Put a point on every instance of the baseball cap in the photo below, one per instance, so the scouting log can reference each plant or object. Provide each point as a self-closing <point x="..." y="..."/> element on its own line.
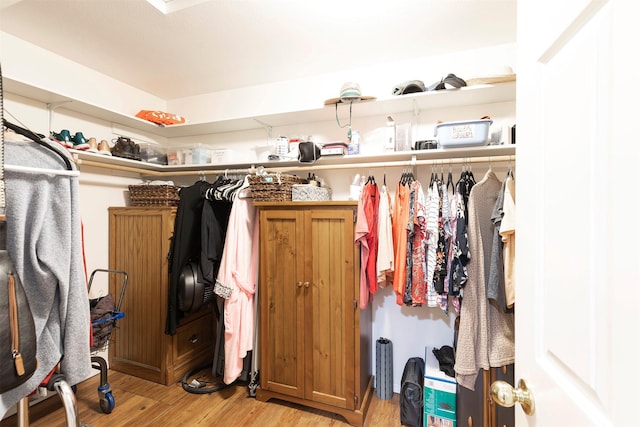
<point x="410" y="86"/>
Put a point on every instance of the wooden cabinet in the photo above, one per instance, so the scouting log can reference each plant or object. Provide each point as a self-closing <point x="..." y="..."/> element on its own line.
<point x="474" y="408"/>
<point x="314" y="340"/>
<point x="139" y="240"/>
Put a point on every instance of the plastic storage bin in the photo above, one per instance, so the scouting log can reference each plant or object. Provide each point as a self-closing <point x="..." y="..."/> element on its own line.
<point x="470" y="133"/>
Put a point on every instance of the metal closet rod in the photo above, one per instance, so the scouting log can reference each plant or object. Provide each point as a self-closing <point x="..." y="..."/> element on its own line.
<point x="315" y="167"/>
<point x="309" y="167"/>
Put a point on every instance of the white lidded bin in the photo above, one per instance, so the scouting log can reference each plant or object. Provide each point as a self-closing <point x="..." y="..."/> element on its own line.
<point x="468" y="133"/>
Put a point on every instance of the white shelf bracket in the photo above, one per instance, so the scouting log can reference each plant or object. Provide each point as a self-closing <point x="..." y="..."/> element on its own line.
<point x="51" y="107"/>
<point x="266" y="127"/>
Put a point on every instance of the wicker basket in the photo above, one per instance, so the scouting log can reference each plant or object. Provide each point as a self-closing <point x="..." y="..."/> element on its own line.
<point x="273" y="187"/>
<point x="154" y="195"/>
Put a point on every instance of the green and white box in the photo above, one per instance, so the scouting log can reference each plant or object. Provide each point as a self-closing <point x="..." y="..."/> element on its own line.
<point x="439" y="395"/>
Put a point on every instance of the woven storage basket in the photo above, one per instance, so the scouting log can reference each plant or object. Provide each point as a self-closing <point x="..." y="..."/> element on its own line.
<point x="273" y="187"/>
<point x="154" y="195"/>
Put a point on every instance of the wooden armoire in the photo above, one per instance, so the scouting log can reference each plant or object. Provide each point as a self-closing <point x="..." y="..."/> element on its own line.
<point x="315" y="341"/>
<point x="139" y="241"/>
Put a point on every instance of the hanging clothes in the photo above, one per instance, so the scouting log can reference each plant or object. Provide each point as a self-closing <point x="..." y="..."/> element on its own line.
<point x="418" y="239"/>
<point x="45" y="244"/>
<point x="442" y="252"/>
<point x="239" y="272"/>
<point x="216" y="209"/>
<point x="400" y="218"/>
<point x="185" y="245"/>
<point x="460" y="252"/>
<point x="384" y="263"/>
<point x="451" y="244"/>
<point x="433" y="207"/>
<point x="360" y="238"/>
<point x="495" y="281"/>
<point x="486" y="334"/>
<point x="367" y="229"/>
<point x="508" y="234"/>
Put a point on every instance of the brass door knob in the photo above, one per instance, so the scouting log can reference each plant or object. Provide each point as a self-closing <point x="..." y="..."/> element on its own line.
<point x="505" y="395"/>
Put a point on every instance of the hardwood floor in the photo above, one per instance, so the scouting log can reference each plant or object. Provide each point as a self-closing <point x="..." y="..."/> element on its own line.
<point x="144" y="403"/>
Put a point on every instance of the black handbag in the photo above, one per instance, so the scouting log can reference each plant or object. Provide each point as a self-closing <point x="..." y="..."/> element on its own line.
<point x="17" y="329"/>
<point x="309" y="152"/>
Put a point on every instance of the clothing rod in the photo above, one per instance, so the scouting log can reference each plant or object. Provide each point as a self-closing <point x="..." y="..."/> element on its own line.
<point x="122" y="168"/>
<point x="403" y="163"/>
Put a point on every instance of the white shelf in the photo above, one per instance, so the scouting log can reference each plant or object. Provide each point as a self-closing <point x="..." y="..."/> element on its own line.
<point x="466" y="96"/>
<point x="338" y="162"/>
<point x="470" y="95"/>
<point x="48" y="97"/>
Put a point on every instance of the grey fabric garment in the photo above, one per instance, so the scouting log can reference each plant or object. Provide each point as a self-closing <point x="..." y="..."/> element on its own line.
<point x="45" y="241"/>
<point x="486" y="336"/>
<point x="495" y="280"/>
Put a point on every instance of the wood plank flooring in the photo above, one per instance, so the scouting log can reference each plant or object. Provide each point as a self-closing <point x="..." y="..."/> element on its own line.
<point x="144" y="403"/>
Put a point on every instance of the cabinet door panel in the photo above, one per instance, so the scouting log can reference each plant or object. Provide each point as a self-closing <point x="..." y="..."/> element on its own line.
<point x="137" y="339"/>
<point x="330" y="305"/>
<point x="282" y="313"/>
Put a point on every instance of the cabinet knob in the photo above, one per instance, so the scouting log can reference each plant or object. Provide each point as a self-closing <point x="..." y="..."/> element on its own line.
<point x="299" y="284"/>
<point x="306" y="284"/>
<point x="505" y="395"/>
<point x="193" y="339"/>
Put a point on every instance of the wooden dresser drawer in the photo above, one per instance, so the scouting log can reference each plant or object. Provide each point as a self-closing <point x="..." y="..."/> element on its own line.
<point x="193" y="337"/>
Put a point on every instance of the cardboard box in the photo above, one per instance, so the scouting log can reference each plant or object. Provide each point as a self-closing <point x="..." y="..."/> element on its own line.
<point x="439" y="394"/>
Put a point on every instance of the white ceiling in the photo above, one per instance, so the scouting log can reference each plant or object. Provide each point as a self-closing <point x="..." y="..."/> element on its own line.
<point x="217" y="45"/>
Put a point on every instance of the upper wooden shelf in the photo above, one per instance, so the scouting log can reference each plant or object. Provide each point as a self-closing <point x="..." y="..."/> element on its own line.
<point x="470" y="95"/>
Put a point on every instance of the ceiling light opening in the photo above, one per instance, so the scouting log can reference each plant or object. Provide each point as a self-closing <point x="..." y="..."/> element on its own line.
<point x="170" y="6"/>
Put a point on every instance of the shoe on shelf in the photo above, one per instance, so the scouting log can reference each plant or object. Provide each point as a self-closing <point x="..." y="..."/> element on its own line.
<point x="124" y="147"/>
<point x="93" y="145"/>
<point x="103" y="147"/>
<point x="64" y="138"/>
<point x="80" y="142"/>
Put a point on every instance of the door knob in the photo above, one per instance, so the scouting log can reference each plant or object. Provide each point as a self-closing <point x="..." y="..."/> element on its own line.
<point x="505" y="395"/>
<point x="306" y="284"/>
<point x="299" y="284"/>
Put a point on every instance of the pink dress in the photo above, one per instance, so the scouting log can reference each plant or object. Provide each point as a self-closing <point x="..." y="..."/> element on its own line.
<point x="239" y="271"/>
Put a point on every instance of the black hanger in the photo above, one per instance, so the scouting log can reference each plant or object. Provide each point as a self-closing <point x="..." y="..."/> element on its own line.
<point x="35" y="138"/>
<point x="450" y="181"/>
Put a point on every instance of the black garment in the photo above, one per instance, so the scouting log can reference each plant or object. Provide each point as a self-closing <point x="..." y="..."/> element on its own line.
<point x="215" y="218"/>
<point x="185" y="245"/>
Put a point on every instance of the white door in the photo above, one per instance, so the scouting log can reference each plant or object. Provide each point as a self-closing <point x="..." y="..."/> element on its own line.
<point x="578" y="239"/>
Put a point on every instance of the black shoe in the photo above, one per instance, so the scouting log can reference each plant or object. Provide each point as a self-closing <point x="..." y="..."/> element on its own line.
<point x="126" y="148"/>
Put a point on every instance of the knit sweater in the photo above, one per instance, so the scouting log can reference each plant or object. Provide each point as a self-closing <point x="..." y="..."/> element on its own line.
<point x="486" y="334"/>
<point x="45" y="243"/>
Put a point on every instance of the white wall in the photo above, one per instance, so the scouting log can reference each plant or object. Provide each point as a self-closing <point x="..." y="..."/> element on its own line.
<point x="409" y="328"/>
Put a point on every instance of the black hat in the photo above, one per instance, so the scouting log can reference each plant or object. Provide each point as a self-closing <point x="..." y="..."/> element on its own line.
<point x="410" y="86"/>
